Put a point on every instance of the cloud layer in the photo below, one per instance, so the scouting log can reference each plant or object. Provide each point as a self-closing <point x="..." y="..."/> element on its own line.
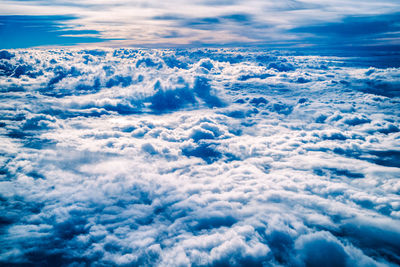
<point x="177" y="23"/>
<point x="197" y="157"/>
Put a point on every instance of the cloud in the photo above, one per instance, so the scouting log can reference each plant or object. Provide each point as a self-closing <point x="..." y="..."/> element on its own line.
<point x="205" y="157"/>
<point x="353" y="31"/>
<point x="4" y="54"/>
<point x="202" y="23"/>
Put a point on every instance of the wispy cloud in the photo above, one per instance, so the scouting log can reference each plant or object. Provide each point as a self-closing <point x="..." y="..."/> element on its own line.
<point x="355" y="31"/>
<point x="202" y="22"/>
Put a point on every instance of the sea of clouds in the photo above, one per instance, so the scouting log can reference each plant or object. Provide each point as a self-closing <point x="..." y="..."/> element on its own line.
<point x="209" y="157"/>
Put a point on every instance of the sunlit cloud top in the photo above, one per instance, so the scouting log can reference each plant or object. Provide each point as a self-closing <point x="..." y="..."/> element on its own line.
<point x="178" y="23"/>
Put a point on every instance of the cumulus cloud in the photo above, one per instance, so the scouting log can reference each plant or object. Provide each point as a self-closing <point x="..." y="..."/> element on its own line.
<point x="204" y="157"/>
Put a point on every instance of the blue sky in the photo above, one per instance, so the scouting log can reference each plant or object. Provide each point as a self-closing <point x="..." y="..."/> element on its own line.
<point x="177" y="23"/>
<point x="28" y="31"/>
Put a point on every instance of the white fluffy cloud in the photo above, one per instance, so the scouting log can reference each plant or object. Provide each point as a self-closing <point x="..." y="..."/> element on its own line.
<point x="202" y="157"/>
